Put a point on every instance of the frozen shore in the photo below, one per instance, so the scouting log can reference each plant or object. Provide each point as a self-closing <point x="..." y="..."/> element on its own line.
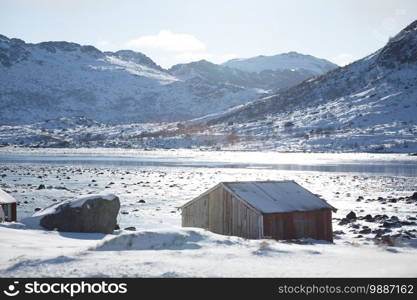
<point x="151" y="188"/>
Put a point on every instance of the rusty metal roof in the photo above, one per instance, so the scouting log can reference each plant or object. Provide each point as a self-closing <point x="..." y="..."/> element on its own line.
<point x="6" y="198"/>
<point x="277" y="196"/>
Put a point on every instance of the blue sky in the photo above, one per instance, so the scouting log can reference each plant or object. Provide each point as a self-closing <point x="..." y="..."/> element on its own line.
<point x="178" y="31"/>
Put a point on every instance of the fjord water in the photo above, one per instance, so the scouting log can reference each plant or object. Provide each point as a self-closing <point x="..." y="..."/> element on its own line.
<point x="381" y="164"/>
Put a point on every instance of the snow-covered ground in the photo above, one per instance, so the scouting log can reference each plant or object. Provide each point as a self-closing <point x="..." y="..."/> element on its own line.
<point x="178" y="252"/>
<point x="153" y="184"/>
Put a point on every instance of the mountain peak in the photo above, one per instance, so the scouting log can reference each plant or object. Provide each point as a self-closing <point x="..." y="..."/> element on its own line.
<point x="203" y="62"/>
<point x="402" y="48"/>
<point x="4" y="38"/>
<point x="409" y="28"/>
<point x="293" y="53"/>
<point x="54" y="46"/>
<point x="285" y="61"/>
<point x="136" y="57"/>
<point x="12" y="51"/>
<point x="200" y="65"/>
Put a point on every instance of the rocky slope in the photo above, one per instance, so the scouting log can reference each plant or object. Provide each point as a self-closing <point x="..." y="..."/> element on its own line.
<point x="274" y="80"/>
<point x="60" y="79"/>
<point x="368" y="105"/>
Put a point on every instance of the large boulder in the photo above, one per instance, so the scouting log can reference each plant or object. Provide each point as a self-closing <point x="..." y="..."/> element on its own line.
<point x="93" y="213"/>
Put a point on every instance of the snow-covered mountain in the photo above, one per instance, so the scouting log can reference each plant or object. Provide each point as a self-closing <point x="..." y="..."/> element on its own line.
<point x="60" y="79"/>
<point x="285" y="61"/>
<point x="369" y="105"/>
<point x="274" y="80"/>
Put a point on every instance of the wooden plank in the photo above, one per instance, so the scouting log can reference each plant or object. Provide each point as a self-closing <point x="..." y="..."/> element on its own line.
<point x="221" y="212"/>
<point x="313" y="224"/>
<point x="227" y="209"/>
<point x="215" y="211"/>
<point x="235" y="218"/>
<point x="196" y="214"/>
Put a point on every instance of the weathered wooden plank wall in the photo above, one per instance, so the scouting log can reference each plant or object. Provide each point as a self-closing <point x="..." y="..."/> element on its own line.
<point x="196" y="214"/>
<point x="314" y="224"/>
<point x="222" y="213"/>
<point x="9" y="211"/>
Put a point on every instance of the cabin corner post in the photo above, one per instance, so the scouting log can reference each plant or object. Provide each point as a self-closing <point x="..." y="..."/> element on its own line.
<point x="14" y="212"/>
<point x="330" y="222"/>
<point x="261" y="226"/>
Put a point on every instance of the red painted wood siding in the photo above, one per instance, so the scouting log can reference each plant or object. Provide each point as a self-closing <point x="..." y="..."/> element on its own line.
<point x="315" y="224"/>
<point x="13" y="207"/>
<point x="14" y="213"/>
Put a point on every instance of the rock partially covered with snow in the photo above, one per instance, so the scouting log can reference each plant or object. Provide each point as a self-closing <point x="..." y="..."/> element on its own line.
<point x="93" y="213"/>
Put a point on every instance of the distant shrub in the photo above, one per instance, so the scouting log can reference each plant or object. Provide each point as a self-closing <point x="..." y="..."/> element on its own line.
<point x="263" y="245"/>
<point x="289" y="124"/>
<point x="232" y="137"/>
<point x="304" y="135"/>
<point x="209" y="142"/>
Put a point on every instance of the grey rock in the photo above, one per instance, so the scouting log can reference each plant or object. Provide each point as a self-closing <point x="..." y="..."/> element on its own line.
<point x="407" y="223"/>
<point x="351" y="216"/>
<point x="344" y="221"/>
<point x="95" y="214"/>
<point x="369" y="218"/>
<point x="365" y="231"/>
<point x="388" y="224"/>
<point x="379" y="232"/>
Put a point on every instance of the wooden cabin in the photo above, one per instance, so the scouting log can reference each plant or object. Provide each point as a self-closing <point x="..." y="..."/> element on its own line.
<point x="8" y="207"/>
<point x="261" y="209"/>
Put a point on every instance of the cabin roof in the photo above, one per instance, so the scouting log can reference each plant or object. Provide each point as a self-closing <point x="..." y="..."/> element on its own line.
<point x="6" y="198"/>
<point x="277" y="196"/>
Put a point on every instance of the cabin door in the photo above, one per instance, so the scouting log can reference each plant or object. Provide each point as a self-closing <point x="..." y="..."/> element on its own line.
<point x="8" y="212"/>
<point x="303" y="225"/>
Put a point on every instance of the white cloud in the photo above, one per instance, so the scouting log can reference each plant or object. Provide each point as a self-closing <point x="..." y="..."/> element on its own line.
<point x="168" y="41"/>
<point x="102" y="44"/>
<point x="400" y="12"/>
<point x="343" y="59"/>
<point x="169" y="48"/>
<point x="390" y="25"/>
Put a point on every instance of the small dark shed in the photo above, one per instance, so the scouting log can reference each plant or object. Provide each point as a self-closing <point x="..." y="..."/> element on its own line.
<point x="261" y="209"/>
<point x="8" y="207"/>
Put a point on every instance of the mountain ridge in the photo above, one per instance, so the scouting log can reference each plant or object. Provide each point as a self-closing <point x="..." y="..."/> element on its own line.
<point x="56" y="79"/>
<point x="268" y="79"/>
<point x="289" y="60"/>
<point x="368" y="105"/>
